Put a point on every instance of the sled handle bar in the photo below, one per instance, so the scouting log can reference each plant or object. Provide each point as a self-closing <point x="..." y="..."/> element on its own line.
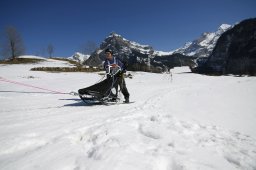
<point x="118" y="68"/>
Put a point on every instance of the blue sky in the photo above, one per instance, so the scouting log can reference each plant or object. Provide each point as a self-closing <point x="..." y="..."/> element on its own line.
<point x="163" y="24"/>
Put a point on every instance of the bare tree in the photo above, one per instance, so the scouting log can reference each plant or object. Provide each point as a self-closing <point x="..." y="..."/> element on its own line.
<point x="88" y="48"/>
<point x="12" y="44"/>
<point x="50" y="50"/>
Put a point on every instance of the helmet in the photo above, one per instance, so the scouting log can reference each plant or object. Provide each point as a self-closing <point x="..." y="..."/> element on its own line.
<point x="108" y="51"/>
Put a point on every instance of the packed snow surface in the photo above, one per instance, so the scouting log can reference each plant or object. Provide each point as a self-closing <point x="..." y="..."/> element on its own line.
<point x="179" y="121"/>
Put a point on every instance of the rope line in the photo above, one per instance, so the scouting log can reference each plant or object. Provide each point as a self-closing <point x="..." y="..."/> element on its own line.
<point x="28" y="85"/>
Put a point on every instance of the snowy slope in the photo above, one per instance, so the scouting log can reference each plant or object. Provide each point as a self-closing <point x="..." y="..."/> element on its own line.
<point x="180" y="122"/>
<point x="46" y="62"/>
<point x="162" y="53"/>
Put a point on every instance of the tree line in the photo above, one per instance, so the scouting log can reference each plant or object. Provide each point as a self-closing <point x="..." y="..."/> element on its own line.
<point x="12" y="45"/>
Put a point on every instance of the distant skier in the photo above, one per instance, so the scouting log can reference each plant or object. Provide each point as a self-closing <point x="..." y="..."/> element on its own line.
<point x="115" y="62"/>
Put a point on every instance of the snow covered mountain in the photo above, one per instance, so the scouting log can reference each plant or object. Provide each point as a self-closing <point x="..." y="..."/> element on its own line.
<point x="203" y="46"/>
<point x="123" y="48"/>
<point x="139" y="57"/>
<point x="235" y="51"/>
<point x="144" y="57"/>
<point x="79" y="57"/>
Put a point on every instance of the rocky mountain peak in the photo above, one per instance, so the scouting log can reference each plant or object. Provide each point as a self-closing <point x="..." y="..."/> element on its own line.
<point x="203" y="46"/>
<point x="224" y="27"/>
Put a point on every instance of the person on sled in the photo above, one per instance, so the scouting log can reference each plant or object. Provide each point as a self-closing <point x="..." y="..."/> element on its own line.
<point x="115" y="62"/>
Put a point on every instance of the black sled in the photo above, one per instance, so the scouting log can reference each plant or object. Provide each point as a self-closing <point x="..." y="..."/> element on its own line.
<point x="104" y="92"/>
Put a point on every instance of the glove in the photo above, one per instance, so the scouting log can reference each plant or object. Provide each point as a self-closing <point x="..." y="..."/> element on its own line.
<point x="114" y="65"/>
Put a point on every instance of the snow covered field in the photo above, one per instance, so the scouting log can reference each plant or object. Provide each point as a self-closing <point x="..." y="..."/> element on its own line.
<point x="187" y="122"/>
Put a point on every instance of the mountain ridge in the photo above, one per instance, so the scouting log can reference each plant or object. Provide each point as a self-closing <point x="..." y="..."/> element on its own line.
<point x="203" y="46"/>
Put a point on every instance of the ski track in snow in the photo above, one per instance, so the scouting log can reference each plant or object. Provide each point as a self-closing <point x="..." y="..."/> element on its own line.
<point x="141" y="135"/>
